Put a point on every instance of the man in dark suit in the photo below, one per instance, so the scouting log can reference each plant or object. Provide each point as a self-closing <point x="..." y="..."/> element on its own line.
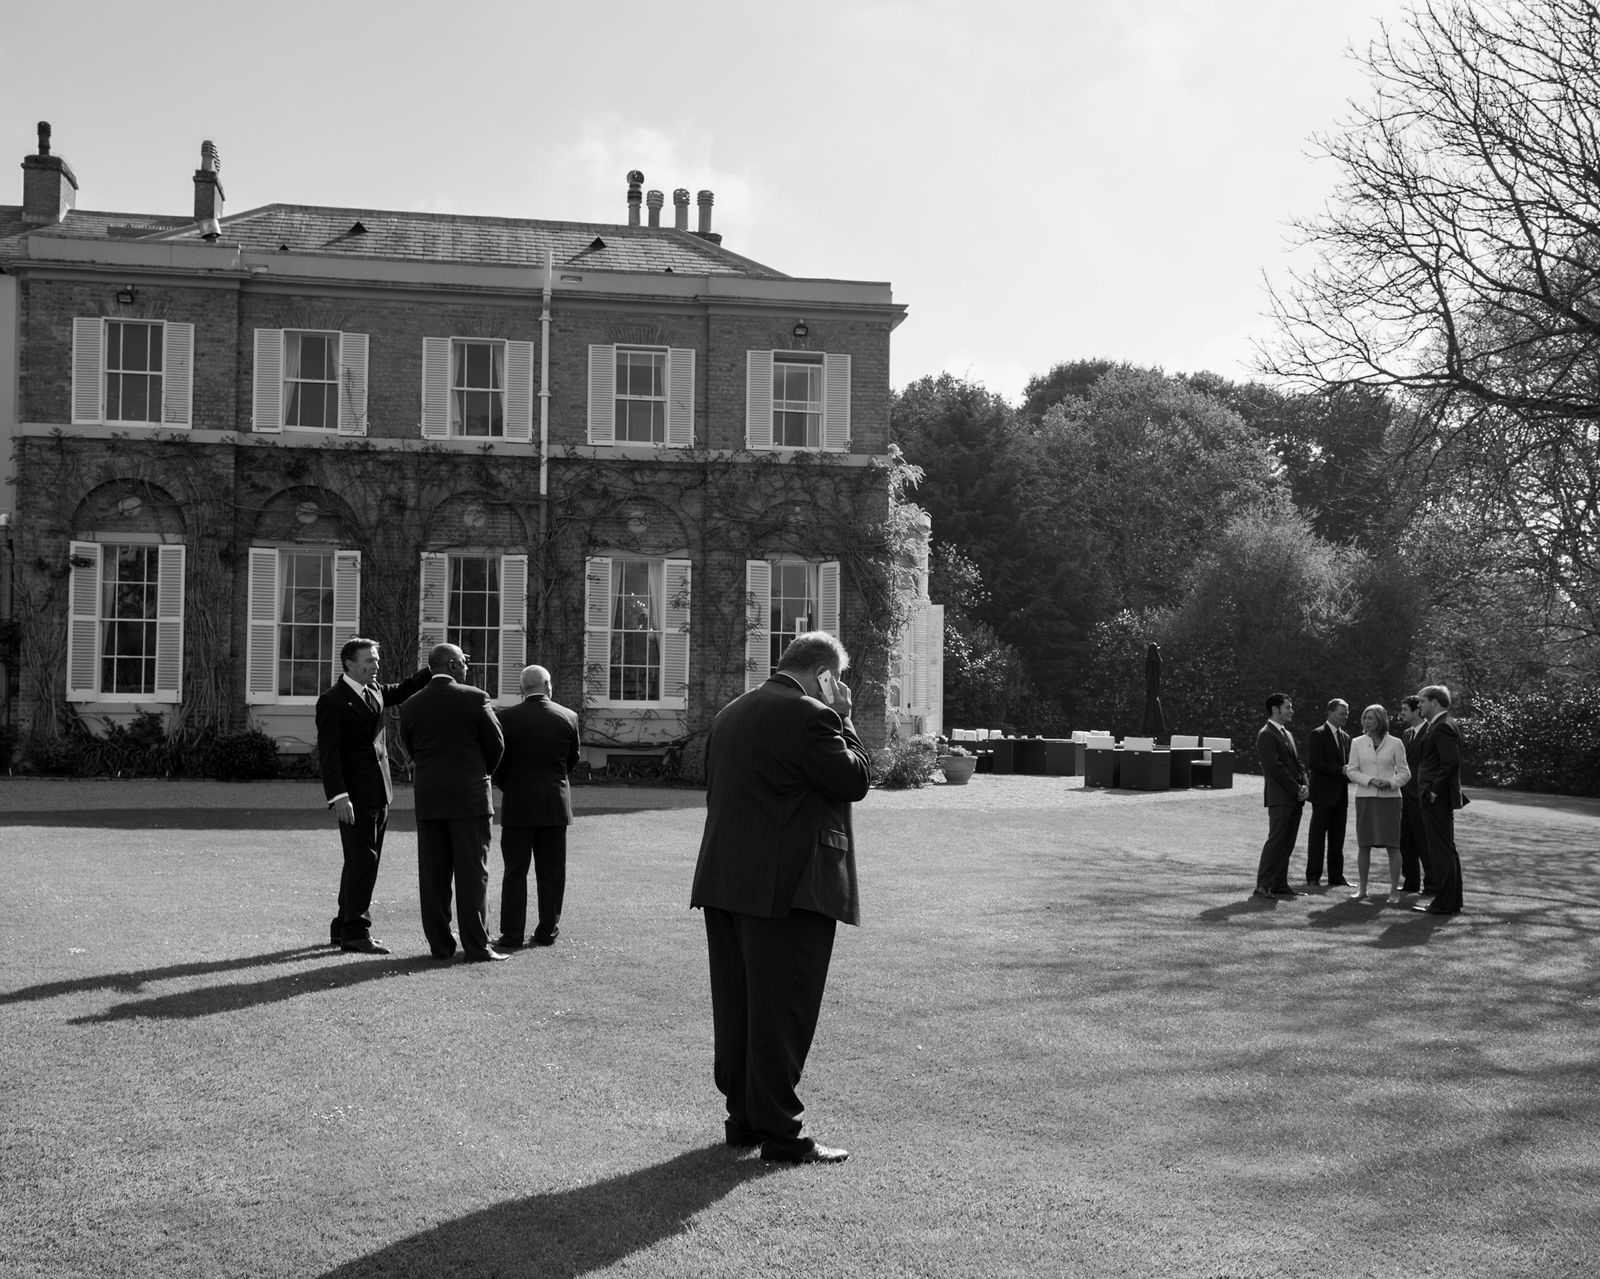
<point x="354" y="756"/>
<point x="1416" y="870"/>
<point x="1327" y="752"/>
<point x="455" y="743"/>
<point x="1439" y="794"/>
<point x="1284" y="797"/>
<point x="777" y="870"/>
<point x="535" y="808"/>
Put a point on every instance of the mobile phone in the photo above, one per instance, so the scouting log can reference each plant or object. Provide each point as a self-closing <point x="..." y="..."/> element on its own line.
<point x="825" y="686"/>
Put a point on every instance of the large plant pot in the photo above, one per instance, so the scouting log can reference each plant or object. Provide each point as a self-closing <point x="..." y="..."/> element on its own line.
<point x="957" y="769"/>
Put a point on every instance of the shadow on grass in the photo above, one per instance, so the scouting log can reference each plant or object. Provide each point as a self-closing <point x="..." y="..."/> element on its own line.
<point x="136" y="980"/>
<point x="192" y="819"/>
<point x="568" y="1232"/>
<point x="211" y="1000"/>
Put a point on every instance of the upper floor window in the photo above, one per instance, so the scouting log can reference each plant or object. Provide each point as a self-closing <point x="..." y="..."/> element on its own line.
<point x="310" y="380"/>
<point x="125" y="634"/>
<point x="304" y="603"/>
<point x="641" y="395"/>
<point x="132" y="371"/>
<point x="477" y="388"/>
<point x="479" y="603"/>
<point x="797" y="400"/>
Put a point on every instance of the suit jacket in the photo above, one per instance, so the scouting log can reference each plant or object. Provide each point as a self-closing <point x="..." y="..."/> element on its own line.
<point x="1413" y="740"/>
<point x="782" y="770"/>
<point x="541" y="749"/>
<point x="455" y="742"/>
<point x="352" y="747"/>
<point x="1327" y="752"/>
<point x="1439" y="761"/>
<point x="1385" y="761"/>
<point x="1281" y="768"/>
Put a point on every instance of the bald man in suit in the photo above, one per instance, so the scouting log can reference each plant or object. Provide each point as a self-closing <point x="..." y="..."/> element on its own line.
<point x="456" y="743"/>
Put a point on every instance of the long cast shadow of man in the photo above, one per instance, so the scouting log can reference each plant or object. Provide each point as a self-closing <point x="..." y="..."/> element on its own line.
<point x="567" y="1232"/>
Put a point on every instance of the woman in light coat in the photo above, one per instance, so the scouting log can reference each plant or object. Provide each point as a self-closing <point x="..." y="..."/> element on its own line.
<point x="1378" y="768"/>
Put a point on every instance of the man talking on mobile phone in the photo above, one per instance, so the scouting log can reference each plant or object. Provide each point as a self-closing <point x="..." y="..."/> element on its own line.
<point x="777" y="872"/>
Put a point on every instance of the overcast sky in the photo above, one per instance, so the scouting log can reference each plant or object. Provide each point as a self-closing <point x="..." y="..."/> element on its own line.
<point x="1038" y="181"/>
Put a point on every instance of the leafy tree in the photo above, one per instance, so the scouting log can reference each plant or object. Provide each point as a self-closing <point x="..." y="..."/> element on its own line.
<point x="1073" y="379"/>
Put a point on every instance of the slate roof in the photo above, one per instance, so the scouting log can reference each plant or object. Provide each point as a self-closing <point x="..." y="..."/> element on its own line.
<point x="418" y="237"/>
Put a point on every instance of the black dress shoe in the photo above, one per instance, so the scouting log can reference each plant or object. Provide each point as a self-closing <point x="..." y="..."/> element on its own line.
<point x="1287" y="892"/>
<point x="740" y="1136"/>
<point x="366" y="946"/>
<point x="488" y="957"/>
<point x="1261" y="894"/>
<point x="444" y="954"/>
<point x="504" y="942"/>
<point x="544" y="939"/>
<point x="1338" y="883"/>
<point x="808" y="1154"/>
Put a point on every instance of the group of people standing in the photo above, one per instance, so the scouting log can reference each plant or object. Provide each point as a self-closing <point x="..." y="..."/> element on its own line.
<point x="1407" y="790"/>
<point x="460" y="748"/>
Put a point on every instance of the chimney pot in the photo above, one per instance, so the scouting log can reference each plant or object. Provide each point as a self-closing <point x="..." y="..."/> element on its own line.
<point x="635" y="182"/>
<point x="208" y="184"/>
<point x="704" y="200"/>
<point x="653" y="201"/>
<point x="680" y="208"/>
<point x="49" y="187"/>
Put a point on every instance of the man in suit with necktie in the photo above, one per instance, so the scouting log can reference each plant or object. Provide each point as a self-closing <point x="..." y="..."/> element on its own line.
<point x="1416" y="871"/>
<point x="455" y="743"/>
<point x="1284" y="796"/>
<point x="777" y="871"/>
<point x="1439" y="794"/>
<point x="354" y="757"/>
<point x="535" y="808"/>
<point x="1327" y="752"/>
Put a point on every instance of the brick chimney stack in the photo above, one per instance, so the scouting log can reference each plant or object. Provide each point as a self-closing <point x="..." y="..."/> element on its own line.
<point x="635" y="183"/>
<point x="653" y="201"/>
<point x="49" y="188"/>
<point x="680" y="208"/>
<point x="208" y="185"/>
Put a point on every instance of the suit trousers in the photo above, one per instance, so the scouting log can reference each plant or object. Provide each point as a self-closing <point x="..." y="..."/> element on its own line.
<point x="1416" y="869"/>
<point x="1283" y="825"/>
<point x="1327" y="833"/>
<point x="767" y="977"/>
<point x="546" y="848"/>
<point x="362" y="844"/>
<point x="1439" y="821"/>
<point x="456" y="848"/>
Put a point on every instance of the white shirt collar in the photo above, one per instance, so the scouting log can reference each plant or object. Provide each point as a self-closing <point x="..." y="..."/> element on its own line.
<point x="361" y="689"/>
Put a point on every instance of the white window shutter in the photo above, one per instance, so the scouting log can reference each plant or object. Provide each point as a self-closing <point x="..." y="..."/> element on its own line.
<point x="513" y="626"/>
<point x="758" y="623"/>
<point x="83" y="624"/>
<point x="597" y="628"/>
<point x="602" y="394"/>
<point x="352" y="383"/>
<point x="675" y="635"/>
<point x="88" y="370"/>
<point x="758" y="400"/>
<point x="680" y="397"/>
<point x="934" y="717"/>
<point x="433" y="601"/>
<point x="261" y="654"/>
<point x="519" y="391"/>
<point x="169" y="624"/>
<point x="836" y="402"/>
<point x="267" y="391"/>
<point x="435" y="388"/>
<point x="828" y="598"/>
<point x="177" y="374"/>
<point x="346" y="603"/>
<point x="916" y="687"/>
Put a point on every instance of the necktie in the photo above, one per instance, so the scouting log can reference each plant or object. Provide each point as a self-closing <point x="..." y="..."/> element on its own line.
<point x="373" y="704"/>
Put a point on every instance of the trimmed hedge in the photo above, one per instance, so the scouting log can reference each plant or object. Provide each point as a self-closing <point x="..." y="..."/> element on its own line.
<point x="1546" y="739"/>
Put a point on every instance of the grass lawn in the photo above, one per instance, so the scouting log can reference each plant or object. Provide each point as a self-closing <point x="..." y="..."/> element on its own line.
<point x="1063" y="1043"/>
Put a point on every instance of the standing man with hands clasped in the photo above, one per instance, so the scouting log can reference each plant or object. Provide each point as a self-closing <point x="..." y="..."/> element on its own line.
<point x="1285" y="797"/>
<point x="354" y="759"/>
<point x="1328" y="752"/>
<point x="776" y="873"/>
<point x="1439" y="795"/>
<point x="535" y="808"/>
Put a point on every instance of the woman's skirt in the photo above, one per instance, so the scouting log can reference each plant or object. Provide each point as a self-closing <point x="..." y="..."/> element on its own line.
<point x="1377" y="822"/>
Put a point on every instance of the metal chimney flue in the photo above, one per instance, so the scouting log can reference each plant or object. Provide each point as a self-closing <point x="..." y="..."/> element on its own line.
<point x="635" y="196"/>
<point x="653" y="201"/>
<point x="680" y="208"/>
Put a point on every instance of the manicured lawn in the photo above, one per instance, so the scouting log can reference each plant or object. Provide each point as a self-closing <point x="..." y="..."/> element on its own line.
<point x="1063" y="1043"/>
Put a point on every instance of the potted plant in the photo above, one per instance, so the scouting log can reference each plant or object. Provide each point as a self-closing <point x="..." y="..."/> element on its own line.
<point x="957" y="763"/>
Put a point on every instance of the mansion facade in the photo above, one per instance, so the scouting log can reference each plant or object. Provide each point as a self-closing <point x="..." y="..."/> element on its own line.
<point x="619" y="450"/>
